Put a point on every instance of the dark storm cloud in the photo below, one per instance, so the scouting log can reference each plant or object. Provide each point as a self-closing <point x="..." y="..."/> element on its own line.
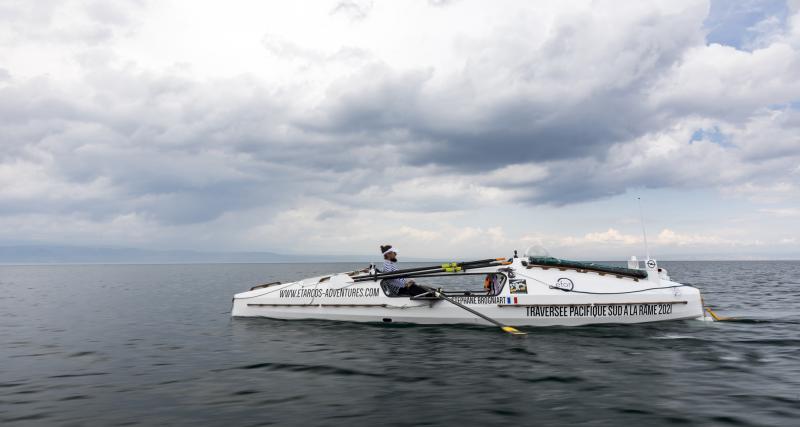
<point x="541" y="121"/>
<point x="527" y="131"/>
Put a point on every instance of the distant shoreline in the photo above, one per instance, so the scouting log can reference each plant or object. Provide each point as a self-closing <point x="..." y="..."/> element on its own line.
<point x="86" y="255"/>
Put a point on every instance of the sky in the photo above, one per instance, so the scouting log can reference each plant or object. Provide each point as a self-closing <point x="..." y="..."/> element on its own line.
<point x="446" y="128"/>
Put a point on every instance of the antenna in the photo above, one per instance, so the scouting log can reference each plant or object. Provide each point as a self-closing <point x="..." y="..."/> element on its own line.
<point x="644" y="232"/>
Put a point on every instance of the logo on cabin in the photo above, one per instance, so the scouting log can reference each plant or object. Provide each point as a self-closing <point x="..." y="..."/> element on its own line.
<point x="651" y="263"/>
<point x="564" y="284"/>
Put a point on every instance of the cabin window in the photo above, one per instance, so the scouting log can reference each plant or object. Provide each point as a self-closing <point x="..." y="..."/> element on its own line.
<point x="493" y="283"/>
<point x="459" y="284"/>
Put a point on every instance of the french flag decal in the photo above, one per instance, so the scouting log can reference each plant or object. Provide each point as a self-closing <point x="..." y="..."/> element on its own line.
<point x="509" y="300"/>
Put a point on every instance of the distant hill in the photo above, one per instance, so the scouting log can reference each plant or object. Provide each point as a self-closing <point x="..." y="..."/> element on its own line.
<point x="46" y="254"/>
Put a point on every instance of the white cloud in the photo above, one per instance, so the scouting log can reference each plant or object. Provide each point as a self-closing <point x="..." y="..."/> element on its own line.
<point x="611" y="236"/>
<point x="669" y="237"/>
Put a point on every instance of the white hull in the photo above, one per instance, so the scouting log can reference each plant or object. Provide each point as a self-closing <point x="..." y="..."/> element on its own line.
<point x="593" y="298"/>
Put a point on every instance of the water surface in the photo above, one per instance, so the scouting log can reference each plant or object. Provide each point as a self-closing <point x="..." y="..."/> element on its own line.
<point x="155" y="344"/>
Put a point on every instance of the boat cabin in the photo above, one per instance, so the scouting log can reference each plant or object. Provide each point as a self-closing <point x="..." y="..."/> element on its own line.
<point x="466" y="284"/>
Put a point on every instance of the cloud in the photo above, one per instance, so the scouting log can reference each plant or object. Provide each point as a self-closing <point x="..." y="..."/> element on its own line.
<point x="669" y="237"/>
<point x="611" y="236"/>
<point x="586" y="128"/>
<point x="746" y="23"/>
<point x="537" y="101"/>
<point x="353" y="10"/>
<point x="68" y="22"/>
<point x="666" y="241"/>
<point x="342" y="110"/>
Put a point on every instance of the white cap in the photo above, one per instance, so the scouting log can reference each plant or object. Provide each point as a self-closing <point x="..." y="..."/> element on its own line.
<point x="391" y="249"/>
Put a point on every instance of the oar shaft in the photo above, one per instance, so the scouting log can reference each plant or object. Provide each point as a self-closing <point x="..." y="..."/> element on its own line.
<point x="454" y="302"/>
<point x="506" y="328"/>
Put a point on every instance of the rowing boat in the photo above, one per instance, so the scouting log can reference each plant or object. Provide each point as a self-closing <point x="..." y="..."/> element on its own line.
<point x="519" y="291"/>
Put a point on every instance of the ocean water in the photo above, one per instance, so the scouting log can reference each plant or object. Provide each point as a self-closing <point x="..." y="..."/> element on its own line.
<point x="155" y="345"/>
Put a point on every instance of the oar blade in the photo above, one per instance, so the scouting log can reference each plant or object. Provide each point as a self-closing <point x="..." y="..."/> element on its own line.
<point x="513" y="331"/>
<point x="717" y="317"/>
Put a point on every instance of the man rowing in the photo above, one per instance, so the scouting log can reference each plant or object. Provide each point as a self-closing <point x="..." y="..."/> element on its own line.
<point x="399" y="286"/>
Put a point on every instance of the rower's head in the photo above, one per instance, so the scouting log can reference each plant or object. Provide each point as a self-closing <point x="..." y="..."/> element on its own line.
<point x="389" y="253"/>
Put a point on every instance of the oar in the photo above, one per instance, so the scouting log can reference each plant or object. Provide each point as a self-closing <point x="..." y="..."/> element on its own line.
<point x="421" y="274"/>
<point x="453" y="266"/>
<point x="446" y="266"/>
<point x="506" y="328"/>
<point x="429" y="273"/>
<point x="440" y="271"/>
<point x="717" y="317"/>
